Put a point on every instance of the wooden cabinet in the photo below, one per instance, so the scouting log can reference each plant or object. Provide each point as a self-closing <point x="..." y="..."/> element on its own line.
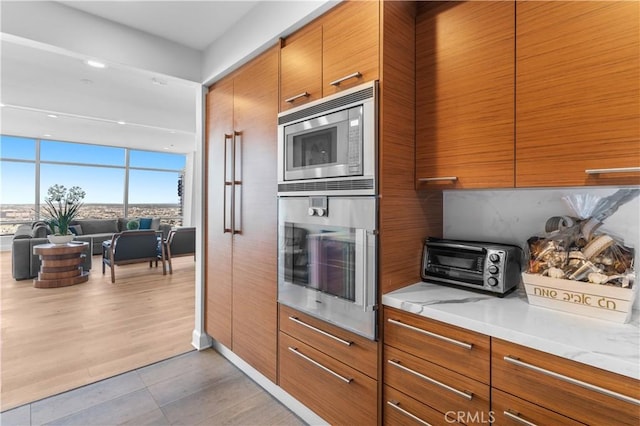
<point x="241" y="284"/>
<point x="465" y="95"/>
<point x="330" y="370"/>
<point x="338" y="51"/>
<point x="577" y="93"/>
<point x="440" y="366"/>
<point x="574" y="390"/>
<point x="513" y="411"/>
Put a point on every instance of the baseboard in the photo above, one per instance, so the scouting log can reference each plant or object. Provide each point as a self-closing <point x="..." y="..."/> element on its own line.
<point x="200" y="340"/>
<point x="276" y="391"/>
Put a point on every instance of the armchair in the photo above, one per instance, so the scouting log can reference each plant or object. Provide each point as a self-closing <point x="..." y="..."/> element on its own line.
<point x="180" y="242"/>
<point x="132" y="247"/>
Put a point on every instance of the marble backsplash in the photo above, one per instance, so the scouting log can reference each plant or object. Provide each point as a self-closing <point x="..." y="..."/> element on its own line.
<point x="512" y="216"/>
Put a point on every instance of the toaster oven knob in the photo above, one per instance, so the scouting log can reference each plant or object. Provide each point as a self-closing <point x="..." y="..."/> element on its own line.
<point x="493" y="269"/>
<point x="492" y="281"/>
<point x="320" y="212"/>
<point x="494" y="257"/>
<point x="312" y="211"/>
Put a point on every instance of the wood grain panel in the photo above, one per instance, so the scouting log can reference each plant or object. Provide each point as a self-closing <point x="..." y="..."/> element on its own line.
<point x="301" y="66"/>
<point x="506" y="407"/>
<point x="255" y="312"/>
<point x="393" y="416"/>
<point x="336" y="401"/>
<point x="406" y="216"/>
<point x="465" y="101"/>
<point x="473" y="362"/>
<point x="573" y="401"/>
<point x="350" y="44"/>
<point x="441" y="396"/>
<point x="362" y="354"/>
<point x="578" y="92"/>
<point x="218" y="285"/>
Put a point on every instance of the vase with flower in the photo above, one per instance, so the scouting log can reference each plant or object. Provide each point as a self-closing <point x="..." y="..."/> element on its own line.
<point x="62" y="207"/>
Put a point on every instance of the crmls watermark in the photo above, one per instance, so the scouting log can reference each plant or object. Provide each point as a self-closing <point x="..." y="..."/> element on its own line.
<point x="467" y="417"/>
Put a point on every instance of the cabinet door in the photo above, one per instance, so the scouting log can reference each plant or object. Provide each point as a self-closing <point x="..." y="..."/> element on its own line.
<point x="465" y="95"/>
<point x="350" y="45"/>
<point x="513" y="411"/>
<point x="218" y="243"/>
<point x="255" y="313"/>
<point x="577" y="93"/>
<point x="301" y="68"/>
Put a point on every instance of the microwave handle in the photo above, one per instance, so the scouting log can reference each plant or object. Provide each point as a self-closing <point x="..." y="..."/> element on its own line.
<point x="455" y="246"/>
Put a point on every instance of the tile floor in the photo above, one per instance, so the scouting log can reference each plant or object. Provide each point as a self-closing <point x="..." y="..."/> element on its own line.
<point x="196" y="388"/>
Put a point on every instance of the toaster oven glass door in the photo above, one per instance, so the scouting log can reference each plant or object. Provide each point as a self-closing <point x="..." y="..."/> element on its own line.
<point x="455" y="264"/>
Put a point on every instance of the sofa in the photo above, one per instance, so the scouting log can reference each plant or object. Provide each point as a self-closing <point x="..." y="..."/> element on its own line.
<point x="26" y="265"/>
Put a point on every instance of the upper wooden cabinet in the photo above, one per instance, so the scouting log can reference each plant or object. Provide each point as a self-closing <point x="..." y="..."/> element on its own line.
<point x="465" y="95"/>
<point x="577" y="93"/>
<point x="338" y="51"/>
<point x="301" y="67"/>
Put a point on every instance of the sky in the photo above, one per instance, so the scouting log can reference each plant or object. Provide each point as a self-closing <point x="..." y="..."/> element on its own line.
<point x="101" y="184"/>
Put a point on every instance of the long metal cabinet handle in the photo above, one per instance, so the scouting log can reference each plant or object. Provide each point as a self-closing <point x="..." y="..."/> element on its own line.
<point x="468" y="346"/>
<point x="337" y="82"/>
<point x="436" y="179"/>
<point x="324" y="333"/>
<point x="317" y="364"/>
<point x="296" y="97"/>
<point x="237" y="183"/>
<point x="396" y="406"/>
<point x="465" y="395"/>
<point x="228" y="183"/>
<point x="571" y="380"/>
<point x="613" y="170"/>
<point x="517" y="418"/>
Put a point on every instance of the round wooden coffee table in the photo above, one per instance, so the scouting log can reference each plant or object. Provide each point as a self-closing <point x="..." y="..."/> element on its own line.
<point x="60" y="265"/>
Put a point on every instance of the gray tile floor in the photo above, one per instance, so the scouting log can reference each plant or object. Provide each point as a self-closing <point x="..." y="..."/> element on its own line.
<point x="196" y="388"/>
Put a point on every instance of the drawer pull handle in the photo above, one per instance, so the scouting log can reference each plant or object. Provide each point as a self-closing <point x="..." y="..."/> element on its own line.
<point x="317" y="364"/>
<point x="517" y="418"/>
<point x="296" y="97"/>
<point x="468" y="346"/>
<point x="324" y="333"/>
<point x="465" y="395"/>
<point x="396" y="406"/>
<point x="436" y="179"/>
<point x="613" y="170"/>
<point x="571" y="380"/>
<point x="337" y="82"/>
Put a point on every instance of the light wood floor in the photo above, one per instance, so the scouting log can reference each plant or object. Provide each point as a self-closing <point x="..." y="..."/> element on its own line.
<point x="54" y="340"/>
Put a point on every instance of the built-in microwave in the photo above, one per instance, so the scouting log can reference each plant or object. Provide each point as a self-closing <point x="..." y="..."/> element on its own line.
<point x="329" y="146"/>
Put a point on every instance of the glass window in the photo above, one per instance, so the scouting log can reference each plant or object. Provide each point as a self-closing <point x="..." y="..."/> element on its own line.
<point x="104" y="187"/>
<point x="154" y="194"/>
<point x="157" y="160"/>
<point x="17" y="148"/>
<point x="68" y="152"/>
<point x="17" y="195"/>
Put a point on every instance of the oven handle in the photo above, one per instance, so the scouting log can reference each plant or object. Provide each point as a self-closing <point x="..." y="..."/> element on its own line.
<point x="362" y="259"/>
<point x="455" y="246"/>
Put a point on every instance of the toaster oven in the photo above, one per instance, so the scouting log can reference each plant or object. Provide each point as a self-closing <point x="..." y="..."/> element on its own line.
<point x="490" y="267"/>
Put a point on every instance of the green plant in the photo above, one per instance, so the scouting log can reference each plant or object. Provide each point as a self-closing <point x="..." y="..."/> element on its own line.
<point x="132" y="225"/>
<point x="62" y="206"/>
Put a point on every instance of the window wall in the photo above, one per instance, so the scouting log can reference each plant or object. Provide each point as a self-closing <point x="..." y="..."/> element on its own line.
<point x="118" y="182"/>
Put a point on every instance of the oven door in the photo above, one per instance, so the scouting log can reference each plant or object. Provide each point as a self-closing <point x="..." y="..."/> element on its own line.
<point x="327" y="264"/>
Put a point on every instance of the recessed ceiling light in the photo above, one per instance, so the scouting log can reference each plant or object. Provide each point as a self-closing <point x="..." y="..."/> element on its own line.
<point x="95" y="64"/>
<point x="47" y="135"/>
<point x="121" y="122"/>
<point x="52" y="115"/>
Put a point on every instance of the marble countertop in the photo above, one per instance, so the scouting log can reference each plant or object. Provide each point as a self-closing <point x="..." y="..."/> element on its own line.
<point x="607" y="345"/>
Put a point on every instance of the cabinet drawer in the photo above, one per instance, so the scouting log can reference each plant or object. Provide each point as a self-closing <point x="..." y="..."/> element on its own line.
<point x="437" y="387"/>
<point x="463" y="351"/>
<point x="510" y="410"/>
<point x="578" y="391"/>
<point x="336" y="392"/>
<point x="354" y="350"/>
<point x="400" y="409"/>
